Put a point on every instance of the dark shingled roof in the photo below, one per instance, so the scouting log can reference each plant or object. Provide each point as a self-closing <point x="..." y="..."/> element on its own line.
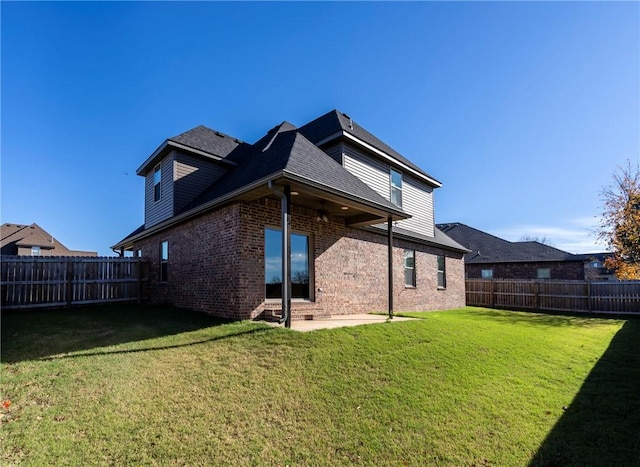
<point x="207" y="140"/>
<point x="335" y="121"/>
<point x="20" y="235"/>
<point x="284" y="151"/>
<point x="487" y="248"/>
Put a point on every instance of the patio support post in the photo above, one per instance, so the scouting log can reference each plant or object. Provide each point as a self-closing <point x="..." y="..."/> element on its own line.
<point x="286" y="256"/>
<point x="285" y="203"/>
<point x="390" y="263"/>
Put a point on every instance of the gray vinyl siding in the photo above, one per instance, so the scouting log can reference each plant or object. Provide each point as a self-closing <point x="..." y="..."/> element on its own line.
<point x="417" y="200"/>
<point x="192" y="175"/>
<point x="371" y="171"/>
<point x="417" y="197"/>
<point x="157" y="211"/>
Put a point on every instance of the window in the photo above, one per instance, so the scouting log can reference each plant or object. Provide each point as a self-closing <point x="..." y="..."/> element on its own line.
<point x="544" y="273"/>
<point x="409" y="268"/>
<point x="157" y="178"/>
<point x="273" y="264"/>
<point x="442" y="273"/>
<point x="35" y="251"/>
<point x="487" y="273"/>
<point x="164" y="261"/>
<point x="396" y="187"/>
<point x="138" y="253"/>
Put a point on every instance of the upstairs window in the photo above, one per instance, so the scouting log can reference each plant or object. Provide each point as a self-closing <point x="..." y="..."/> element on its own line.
<point x="395" y="179"/>
<point x="164" y="261"/>
<point x="157" y="179"/>
<point x="409" y="268"/>
<point x="442" y="273"/>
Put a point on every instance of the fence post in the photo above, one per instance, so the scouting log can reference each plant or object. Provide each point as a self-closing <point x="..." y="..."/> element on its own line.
<point x="536" y="295"/>
<point x="69" y="282"/>
<point x="139" y="274"/>
<point x="589" y="306"/>
<point x="491" y="293"/>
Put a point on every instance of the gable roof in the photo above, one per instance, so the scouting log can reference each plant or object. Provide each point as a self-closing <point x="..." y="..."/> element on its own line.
<point x="487" y="248"/>
<point x="334" y="124"/>
<point x="207" y="140"/>
<point x="285" y="152"/>
<point x="20" y="235"/>
<point x="201" y="141"/>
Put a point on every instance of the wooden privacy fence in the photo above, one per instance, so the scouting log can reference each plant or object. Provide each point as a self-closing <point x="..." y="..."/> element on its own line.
<point x="573" y="296"/>
<point x="54" y="281"/>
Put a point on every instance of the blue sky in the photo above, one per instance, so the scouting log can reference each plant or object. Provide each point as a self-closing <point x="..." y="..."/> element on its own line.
<point x="522" y="110"/>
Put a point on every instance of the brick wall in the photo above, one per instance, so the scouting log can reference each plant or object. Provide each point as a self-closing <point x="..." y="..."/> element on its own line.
<point x="216" y="264"/>
<point x="561" y="270"/>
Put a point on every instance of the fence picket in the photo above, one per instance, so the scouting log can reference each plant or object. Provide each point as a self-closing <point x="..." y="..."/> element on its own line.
<point x="573" y="296"/>
<point x="52" y="281"/>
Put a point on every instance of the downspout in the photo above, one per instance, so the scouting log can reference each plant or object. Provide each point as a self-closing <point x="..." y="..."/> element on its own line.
<point x="286" y="251"/>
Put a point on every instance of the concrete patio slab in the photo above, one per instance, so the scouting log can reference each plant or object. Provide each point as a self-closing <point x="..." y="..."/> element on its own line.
<point x="340" y="321"/>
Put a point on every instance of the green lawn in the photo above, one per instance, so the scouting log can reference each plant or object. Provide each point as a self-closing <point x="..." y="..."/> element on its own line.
<point x="128" y="385"/>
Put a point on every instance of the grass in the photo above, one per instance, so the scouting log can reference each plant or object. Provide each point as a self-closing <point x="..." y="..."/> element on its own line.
<point x="128" y="385"/>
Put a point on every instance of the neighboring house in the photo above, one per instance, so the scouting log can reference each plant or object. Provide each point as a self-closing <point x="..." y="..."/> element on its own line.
<point x="216" y="207"/>
<point x="495" y="258"/>
<point x="594" y="269"/>
<point x="33" y="240"/>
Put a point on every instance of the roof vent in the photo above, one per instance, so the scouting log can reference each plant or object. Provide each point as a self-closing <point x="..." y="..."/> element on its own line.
<point x="350" y="121"/>
<point x="219" y="134"/>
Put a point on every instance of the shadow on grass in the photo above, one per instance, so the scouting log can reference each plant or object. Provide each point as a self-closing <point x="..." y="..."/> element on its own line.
<point x="31" y="335"/>
<point x="546" y="318"/>
<point x="601" y="425"/>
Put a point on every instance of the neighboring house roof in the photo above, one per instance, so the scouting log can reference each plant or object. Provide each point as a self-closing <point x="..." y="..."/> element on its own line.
<point x="487" y="248"/>
<point x="21" y="235"/>
<point x="595" y="256"/>
<point x="332" y="125"/>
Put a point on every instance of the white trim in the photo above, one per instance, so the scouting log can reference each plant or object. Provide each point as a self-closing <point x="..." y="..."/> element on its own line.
<point x="392" y="159"/>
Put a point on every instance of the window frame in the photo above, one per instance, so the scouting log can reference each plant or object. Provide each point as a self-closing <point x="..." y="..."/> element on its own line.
<point x="486" y="273"/>
<point x="395" y="188"/>
<point x="157" y="183"/>
<point x="164" y="260"/>
<point x="546" y="275"/>
<point x="36" y="251"/>
<point x="409" y="254"/>
<point x="310" y="273"/>
<point x="442" y="272"/>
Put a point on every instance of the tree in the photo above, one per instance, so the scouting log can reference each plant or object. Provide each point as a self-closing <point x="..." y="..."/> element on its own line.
<point x="535" y="238"/>
<point x="620" y="224"/>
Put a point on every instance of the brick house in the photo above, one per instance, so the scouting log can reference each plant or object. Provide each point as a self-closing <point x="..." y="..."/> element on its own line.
<point x="33" y="240"/>
<point x="357" y="217"/>
<point x="491" y="257"/>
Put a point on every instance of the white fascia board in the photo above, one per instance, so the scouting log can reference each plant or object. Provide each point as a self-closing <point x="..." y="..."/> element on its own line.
<point x="393" y="160"/>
